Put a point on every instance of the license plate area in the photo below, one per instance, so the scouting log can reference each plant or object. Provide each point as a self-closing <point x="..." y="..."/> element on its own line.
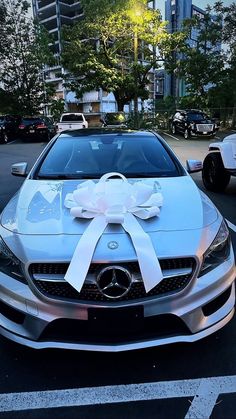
<point x="114" y="321"/>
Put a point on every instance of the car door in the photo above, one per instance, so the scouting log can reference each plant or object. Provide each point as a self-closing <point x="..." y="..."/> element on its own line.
<point x="10" y="125"/>
<point x="179" y="122"/>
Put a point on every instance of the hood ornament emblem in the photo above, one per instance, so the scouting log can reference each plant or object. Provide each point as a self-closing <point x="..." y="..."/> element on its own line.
<point x="113" y="245"/>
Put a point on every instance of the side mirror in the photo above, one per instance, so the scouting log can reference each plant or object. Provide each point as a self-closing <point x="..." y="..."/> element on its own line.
<point x="19" y="169"/>
<point x="193" y="166"/>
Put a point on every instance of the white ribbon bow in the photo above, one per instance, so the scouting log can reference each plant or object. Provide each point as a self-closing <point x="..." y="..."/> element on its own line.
<point x="117" y="202"/>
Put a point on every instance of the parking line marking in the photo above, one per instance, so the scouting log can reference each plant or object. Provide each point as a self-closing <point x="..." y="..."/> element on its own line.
<point x="231" y="225"/>
<point x="204" y="401"/>
<point x="11" y="142"/>
<point x="175" y="138"/>
<point x="204" y="390"/>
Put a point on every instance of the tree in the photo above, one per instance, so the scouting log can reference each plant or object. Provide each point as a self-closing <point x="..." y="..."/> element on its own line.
<point x="209" y="67"/>
<point x="228" y="85"/>
<point x="116" y="49"/>
<point x="202" y="64"/>
<point x="57" y="107"/>
<point x="23" y="52"/>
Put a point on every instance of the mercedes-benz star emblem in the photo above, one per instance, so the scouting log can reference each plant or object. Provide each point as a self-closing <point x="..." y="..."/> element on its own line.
<point x="113" y="245"/>
<point x="114" y="281"/>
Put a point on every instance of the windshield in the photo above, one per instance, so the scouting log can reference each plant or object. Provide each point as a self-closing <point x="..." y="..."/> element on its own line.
<point x="197" y="117"/>
<point x="93" y="155"/>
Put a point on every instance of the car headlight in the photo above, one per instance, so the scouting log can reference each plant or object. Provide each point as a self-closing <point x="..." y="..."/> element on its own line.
<point x="218" y="251"/>
<point x="192" y="125"/>
<point x="9" y="264"/>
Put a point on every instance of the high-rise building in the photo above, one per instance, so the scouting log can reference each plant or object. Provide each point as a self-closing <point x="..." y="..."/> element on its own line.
<point x="53" y="14"/>
<point x="175" y="13"/>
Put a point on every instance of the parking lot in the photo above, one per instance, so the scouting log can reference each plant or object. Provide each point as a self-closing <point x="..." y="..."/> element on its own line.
<point x="178" y="381"/>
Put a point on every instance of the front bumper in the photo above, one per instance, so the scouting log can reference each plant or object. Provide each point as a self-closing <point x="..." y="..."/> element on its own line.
<point x="38" y="322"/>
<point x="195" y="133"/>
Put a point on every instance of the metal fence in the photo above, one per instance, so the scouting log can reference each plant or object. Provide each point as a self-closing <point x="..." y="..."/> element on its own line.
<point x="224" y="117"/>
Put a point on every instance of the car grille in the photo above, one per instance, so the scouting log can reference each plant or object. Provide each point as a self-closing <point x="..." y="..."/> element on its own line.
<point x="48" y="278"/>
<point x="204" y="127"/>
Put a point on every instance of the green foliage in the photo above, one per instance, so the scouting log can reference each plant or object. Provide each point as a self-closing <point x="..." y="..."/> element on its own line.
<point x="168" y="103"/>
<point x="57" y="107"/>
<point x="8" y="103"/>
<point x="100" y="51"/>
<point x="202" y="64"/>
<point x="209" y="72"/>
<point x="23" y="52"/>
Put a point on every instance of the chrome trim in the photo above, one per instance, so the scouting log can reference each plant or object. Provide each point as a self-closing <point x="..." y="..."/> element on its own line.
<point x="205" y="127"/>
<point x="91" y="279"/>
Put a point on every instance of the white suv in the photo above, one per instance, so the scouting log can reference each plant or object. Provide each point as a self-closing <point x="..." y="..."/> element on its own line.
<point x="220" y="164"/>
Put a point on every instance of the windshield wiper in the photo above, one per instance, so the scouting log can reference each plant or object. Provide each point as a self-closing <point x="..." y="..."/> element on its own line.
<point x="143" y="175"/>
<point x="68" y="176"/>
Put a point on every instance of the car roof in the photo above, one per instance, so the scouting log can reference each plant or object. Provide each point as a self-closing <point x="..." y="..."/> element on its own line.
<point x="99" y="131"/>
<point x="189" y="110"/>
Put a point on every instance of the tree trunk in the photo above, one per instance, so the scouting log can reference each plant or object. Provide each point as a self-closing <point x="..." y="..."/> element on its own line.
<point x="120" y="102"/>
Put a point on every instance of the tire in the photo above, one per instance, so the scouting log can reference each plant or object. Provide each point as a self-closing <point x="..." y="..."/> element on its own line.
<point x="4" y="138"/>
<point x="173" y="129"/>
<point x="214" y="175"/>
<point x="186" y="134"/>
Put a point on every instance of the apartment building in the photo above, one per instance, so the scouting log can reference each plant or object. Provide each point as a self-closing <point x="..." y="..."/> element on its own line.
<point x="53" y="14"/>
<point x="175" y="12"/>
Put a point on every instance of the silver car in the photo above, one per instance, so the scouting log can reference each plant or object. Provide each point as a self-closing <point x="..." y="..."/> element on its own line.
<point x="191" y="293"/>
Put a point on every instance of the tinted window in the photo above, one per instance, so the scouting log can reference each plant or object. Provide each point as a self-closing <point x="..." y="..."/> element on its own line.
<point x="94" y="155"/>
<point x="72" y="118"/>
<point x="29" y="121"/>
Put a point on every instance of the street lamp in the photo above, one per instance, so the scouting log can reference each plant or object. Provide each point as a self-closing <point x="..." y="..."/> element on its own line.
<point x="136" y="122"/>
<point x="135" y="15"/>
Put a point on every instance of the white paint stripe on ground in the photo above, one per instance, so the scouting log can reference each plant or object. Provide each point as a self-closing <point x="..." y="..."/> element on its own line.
<point x="231" y="225"/>
<point x="204" y="390"/>
<point x="175" y="138"/>
<point x="11" y="142"/>
<point x="204" y="401"/>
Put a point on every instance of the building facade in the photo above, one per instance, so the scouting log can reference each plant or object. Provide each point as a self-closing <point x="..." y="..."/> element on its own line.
<point x="175" y="13"/>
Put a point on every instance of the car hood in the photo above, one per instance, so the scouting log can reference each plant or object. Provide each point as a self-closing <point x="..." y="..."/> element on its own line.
<point x="202" y="121"/>
<point x="38" y="209"/>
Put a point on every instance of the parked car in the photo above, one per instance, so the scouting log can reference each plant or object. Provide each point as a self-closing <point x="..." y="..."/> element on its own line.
<point x="70" y="121"/>
<point x="36" y="127"/>
<point x="220" y="164"/>
<point x="193" y="123"/>
<point x="110" y="246"/>
<point x="114" y="120"/>
<point x="8" y="127"/>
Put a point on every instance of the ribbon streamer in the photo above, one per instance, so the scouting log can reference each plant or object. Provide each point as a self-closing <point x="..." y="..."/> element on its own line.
<point x="114" y="201"/>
